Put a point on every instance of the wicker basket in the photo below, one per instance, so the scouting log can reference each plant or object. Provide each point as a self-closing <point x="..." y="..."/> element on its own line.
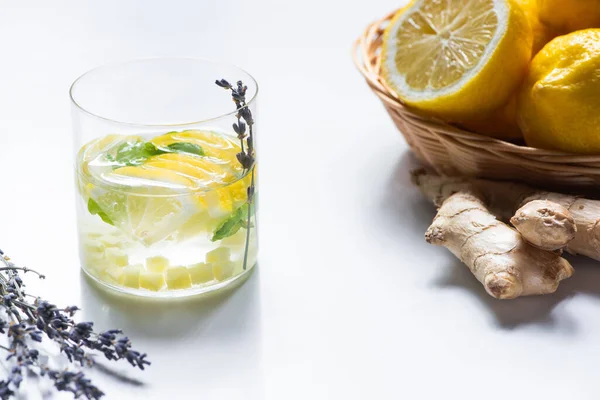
<point x="454" y="151"/>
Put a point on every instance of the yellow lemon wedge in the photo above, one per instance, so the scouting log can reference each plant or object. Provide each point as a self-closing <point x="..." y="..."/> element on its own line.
<point x="456" y="59"/>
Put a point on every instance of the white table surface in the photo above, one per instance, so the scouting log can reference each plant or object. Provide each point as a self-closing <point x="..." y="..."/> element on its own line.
<point x="348" y="302"/>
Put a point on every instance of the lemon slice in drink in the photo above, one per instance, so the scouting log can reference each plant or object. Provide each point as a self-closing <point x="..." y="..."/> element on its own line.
<point x="456" y="59"/>
<point x="196" y="168"/>
<point x="164" y="189"/>
<point x="152" y="204"/>
<point x="218" y="149"/>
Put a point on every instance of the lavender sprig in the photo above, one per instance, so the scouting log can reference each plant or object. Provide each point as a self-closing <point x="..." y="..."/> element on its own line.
<point x="246" y="156"/>
<point x="25" y="321"/>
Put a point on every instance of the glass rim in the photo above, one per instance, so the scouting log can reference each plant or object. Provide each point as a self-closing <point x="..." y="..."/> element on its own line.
<point x="179" y="124"/>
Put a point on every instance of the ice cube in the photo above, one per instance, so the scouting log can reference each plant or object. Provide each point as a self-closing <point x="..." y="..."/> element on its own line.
<point x="223" y="270"/>
<point x="131" y="276"/>
<point x="178" y="278"/>
<point x="201" y="273"/>
<point x="152" y="280"/>
<point x="157" y="264"/>
<point x="220" y="254"/>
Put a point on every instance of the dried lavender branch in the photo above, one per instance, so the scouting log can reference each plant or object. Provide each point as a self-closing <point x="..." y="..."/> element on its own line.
<point x="250" y="198"/>
<point x="34" y="321"/>
<point x="246" y="158"/>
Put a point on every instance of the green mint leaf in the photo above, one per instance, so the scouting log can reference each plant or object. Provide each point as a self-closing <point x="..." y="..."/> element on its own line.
<point x="95" y="209"/>
<point x="186" y="147"/>
<point x="232" y="224"/>
<point x="132" y="154"/>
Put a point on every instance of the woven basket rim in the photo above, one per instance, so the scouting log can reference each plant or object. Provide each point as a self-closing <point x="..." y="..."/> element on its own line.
<point x="369" y="69"/>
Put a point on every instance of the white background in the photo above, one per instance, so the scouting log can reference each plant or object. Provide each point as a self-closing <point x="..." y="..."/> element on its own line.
<point x="349" y="302"/>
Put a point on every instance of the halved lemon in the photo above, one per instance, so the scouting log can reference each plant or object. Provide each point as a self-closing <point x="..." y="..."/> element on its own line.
<point x="456" y="59"/>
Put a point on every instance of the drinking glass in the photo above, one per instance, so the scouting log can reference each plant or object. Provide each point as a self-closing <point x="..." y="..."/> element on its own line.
<point x="166" y="175"/>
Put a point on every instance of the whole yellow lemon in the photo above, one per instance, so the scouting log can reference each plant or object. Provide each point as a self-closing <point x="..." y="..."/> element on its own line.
<point x="570" y="15"/>
<point x="542" y="32"/>
<point x="559" y="102"/>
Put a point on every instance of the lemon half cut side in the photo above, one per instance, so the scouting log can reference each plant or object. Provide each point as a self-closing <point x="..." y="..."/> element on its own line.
<point x="456" y="59"/>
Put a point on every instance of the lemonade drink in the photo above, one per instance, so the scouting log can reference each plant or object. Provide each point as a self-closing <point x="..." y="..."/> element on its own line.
<point x="167" y="213"/>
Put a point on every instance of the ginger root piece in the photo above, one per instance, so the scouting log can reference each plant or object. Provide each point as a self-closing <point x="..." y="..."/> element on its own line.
<point x="503" y="198"/>
<point x="545" y="224"/>
<point x="586" y="214"/>
<point x="506" y="265"/>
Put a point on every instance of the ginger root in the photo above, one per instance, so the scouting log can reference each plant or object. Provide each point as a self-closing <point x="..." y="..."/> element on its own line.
<point x="545" y="224"/>
<point x="586" y="215"/>
<point x="504" y="198"/>
<point x="506" y="265"/>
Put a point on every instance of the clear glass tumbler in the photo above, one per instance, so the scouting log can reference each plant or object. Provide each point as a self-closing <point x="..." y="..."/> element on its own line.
<point x="165" y="161"/>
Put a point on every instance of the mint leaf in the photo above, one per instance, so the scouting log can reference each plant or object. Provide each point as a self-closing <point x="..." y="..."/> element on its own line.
<point x="238" y="219"/>
<point x="136" y="153"/>
<point x="132" y="154"/>
<point x="95" y="209"/>
<point x="232" y="224"/>
<point x="186" y="147"/>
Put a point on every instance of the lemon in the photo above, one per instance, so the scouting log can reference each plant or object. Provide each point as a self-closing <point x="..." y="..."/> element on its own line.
<point x="147" y="219"/>
<point x="456" y="60"/>
<point x="501" y="123"/>
<point x="542" y="32"/>
<point x="570" y="15"/>
<point x="205" y="167"/>
<point x="560" y="98"/>
<point x="149" y="207"/>
<point x="220" y="150"/>
<point x="185" y="169"/>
